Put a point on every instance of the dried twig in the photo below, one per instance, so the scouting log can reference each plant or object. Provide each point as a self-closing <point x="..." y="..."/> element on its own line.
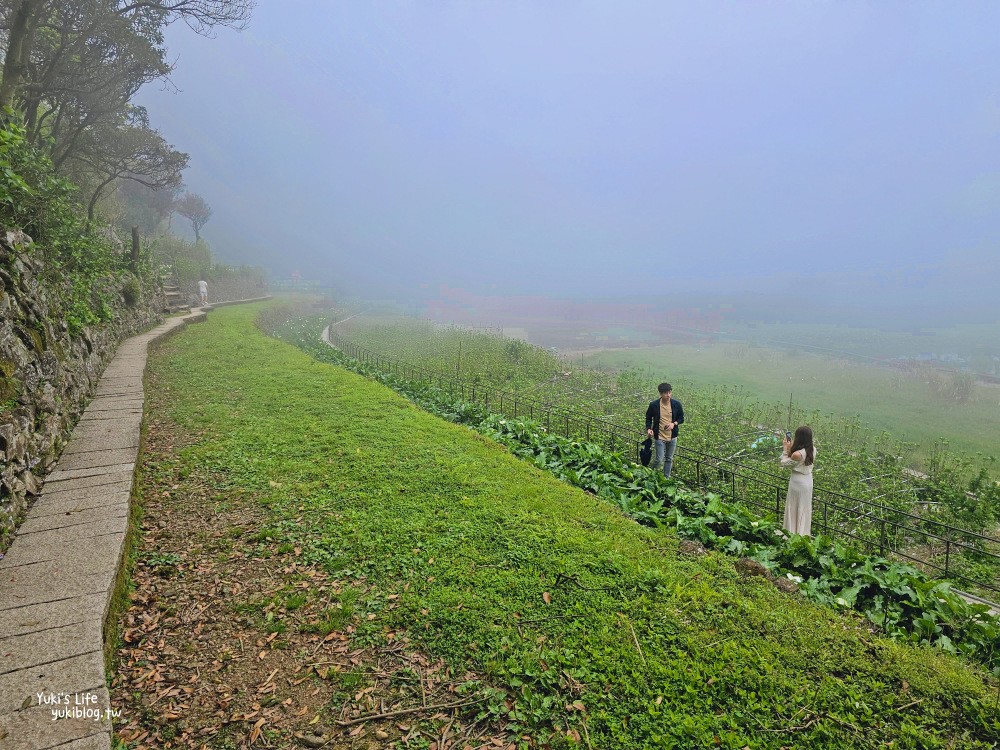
<point x="635" y="640"/>
<point x="404" y="711"/>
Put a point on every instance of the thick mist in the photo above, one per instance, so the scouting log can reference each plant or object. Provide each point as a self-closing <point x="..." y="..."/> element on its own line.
<point x="793" y="161"/>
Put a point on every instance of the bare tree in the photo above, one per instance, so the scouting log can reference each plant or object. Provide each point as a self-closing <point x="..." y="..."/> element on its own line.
<point x="200" y="15"/>
<point x="194" y="208"/>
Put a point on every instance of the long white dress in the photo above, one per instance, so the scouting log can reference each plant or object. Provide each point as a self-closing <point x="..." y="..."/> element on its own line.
<point x="798" y="502"/>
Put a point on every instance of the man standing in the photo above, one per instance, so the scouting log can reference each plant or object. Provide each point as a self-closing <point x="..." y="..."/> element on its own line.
<point x="662" y="418"/>
<point x="203" y="291"/>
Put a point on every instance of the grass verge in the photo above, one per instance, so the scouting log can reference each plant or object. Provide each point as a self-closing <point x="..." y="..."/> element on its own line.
<point x="595" y="629"/>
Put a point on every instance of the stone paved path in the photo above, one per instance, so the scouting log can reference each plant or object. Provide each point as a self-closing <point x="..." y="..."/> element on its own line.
<point x="57" y="578"/>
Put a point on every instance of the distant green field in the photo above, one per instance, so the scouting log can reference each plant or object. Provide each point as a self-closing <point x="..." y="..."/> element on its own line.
<point x="882" y="399"/>
<point x="977" y="344"/>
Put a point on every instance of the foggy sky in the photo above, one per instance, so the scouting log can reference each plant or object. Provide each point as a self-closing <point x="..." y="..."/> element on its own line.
<point x="836" y="155"/>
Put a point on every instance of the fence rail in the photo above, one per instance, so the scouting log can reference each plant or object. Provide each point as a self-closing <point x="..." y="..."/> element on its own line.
<point x="930" y="544"/>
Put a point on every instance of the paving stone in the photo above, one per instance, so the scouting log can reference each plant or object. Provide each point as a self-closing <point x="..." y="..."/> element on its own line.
<point x="109" y="517"/>
<point x="48" y="615"/>
<point x="80" y="530"/>
<point x="126" y="364"/>
<point x="111" y="403"/>
<point x="62" y="474"/>
<point x="130" y="377"/>
<point x="47" y="646"/>
<point x="128" y="392"/>
<point x="34" y="728"/>
<point x="96" y="431"/>
<point x="98" y="416"/>
<point x="104" y="428"/>
<point x="49" y="582"/>
<point x="80" y="484"/>
<point x="70" y="503"/>
<point x="98" y="553"/>
<point x="100" y="741"/>
<point x="108" y="439"/>
<point x="86" y="487"/>
<point x="97" y="459"/>
<point x="77" y="674"/>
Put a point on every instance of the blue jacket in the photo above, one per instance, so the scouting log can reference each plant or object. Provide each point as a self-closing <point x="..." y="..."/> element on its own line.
<point x="653" y="417"/>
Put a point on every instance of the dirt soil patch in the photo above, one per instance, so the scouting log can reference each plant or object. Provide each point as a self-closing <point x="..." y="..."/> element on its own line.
<point x="222" y="647"/>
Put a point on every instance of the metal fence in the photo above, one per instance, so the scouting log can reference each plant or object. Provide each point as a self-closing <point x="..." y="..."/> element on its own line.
<point x="931" y="545"/>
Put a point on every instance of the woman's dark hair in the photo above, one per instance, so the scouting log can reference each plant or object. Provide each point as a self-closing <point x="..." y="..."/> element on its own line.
<point x="803" y="440"/>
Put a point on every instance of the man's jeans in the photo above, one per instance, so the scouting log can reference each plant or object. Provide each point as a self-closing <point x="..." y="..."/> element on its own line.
<point x="665" y="456"/>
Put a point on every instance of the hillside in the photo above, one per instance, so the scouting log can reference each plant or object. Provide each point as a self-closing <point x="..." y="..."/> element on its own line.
<point x="557" y="620"/>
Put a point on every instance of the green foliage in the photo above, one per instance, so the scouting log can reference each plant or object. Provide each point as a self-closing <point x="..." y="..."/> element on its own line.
<point x="634" y="647"/>
<point x="969" y="497"/>
<point x="192" y="261"/>
<point x="34" y="199"/>
<point x="131" y="290"/>
<point x="901" y="599"/>
<point x="731" y="423"/>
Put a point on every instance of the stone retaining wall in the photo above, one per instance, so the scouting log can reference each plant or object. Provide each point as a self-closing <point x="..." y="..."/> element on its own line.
<point x="47" y="372"/>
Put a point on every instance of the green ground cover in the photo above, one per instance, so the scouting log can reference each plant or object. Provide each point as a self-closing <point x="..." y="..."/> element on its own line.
<point x="586" y="623"/>
<point x="731" y="422"/>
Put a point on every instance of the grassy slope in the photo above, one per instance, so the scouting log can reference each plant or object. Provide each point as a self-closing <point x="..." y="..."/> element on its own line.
<point x="472" y="539"/>
<point x="883" y="399"/>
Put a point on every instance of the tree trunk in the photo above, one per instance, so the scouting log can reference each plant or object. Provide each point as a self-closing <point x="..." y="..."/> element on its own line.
<point x="15" y="61"/>
<point x="95" y="197"/>
<point x="135" y="250"/>
<point x="31" y="107"/>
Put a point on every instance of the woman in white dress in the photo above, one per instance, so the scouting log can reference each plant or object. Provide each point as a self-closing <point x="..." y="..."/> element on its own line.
<point x="799" y="454"/>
